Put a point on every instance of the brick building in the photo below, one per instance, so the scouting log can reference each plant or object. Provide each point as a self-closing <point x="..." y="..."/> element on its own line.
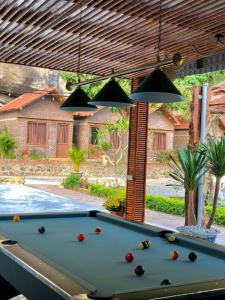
<point x="37" y="123"/>
<point x="161" y="129"/>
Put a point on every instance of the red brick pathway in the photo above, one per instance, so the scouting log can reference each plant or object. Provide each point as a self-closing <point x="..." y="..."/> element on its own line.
<point x="152" y="217"/>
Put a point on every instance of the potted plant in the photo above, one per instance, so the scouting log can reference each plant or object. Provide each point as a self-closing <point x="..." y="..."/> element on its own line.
<point x="115" y="204"/>
<point x="186" y="171"/>
<point x="77" y="156"/>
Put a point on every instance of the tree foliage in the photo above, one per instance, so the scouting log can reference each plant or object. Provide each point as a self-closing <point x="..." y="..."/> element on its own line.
<point x="114" y="149"/>
<point x="94" y="88"/>
<point x="185" y="85"/>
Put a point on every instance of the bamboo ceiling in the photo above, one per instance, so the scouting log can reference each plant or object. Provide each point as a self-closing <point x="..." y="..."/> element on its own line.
<point x="117" y="34"/>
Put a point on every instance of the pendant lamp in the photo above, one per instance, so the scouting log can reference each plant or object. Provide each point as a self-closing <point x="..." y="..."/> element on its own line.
<point x="78" y="100"/>
<point x="111" y="95"/>
<point x="157" y="87"/>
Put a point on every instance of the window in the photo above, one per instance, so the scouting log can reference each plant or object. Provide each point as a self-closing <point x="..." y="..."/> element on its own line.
<point x="114" y="139"/>
<point x="159" y="141"/>
<point x="36" y="133"/>
<point x="94" y="135"/>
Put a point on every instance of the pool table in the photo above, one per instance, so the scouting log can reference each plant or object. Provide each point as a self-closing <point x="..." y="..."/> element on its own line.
<point x="56" y="266"/>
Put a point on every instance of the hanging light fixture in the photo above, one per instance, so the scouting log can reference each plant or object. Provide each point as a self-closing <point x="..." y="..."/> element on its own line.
<point x="112" y="95"/>
<point x="78" y="100"/>
<point x="157" y="87"/>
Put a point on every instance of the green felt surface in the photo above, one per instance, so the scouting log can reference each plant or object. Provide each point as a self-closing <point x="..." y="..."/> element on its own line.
<point x="99" y="260"/>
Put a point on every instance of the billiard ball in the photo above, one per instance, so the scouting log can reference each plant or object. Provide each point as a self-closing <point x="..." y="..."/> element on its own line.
<point x="139" y="270"/>
<point x="98" y="230"/>
<point x="129" y="257"/>
<point x="174" y="255"/>
<point x="144" y="245"/>
<point x="80" y="237"/>
<point x="165" y="282"/>
<point x="16" y="218"/>
<point x="171" y="239"/>
<point x="192" y="256"/>
<point x="41" y="229"/>
<point x="148" y="243"/>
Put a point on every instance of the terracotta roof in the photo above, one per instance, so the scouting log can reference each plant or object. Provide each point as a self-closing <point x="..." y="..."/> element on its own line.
<point x="222" y="124"/>
<point x="26" y="99"/>
<point x="182" y="124"/>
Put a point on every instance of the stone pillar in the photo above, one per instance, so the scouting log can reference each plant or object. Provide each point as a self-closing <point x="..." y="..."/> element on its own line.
<point x="137" y="158"/>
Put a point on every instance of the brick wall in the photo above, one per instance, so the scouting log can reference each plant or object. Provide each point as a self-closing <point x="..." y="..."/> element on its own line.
<point x="9" y="167"/>
<point x="60" y="168"/>
<point x="181" y="138"/>
<point x="95" y="169"/>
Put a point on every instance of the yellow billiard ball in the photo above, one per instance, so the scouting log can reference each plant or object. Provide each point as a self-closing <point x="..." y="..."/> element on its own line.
<point x="16" y="218"/>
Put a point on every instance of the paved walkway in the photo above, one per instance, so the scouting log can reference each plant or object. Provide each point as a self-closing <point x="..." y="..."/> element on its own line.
<point x="151" y="217"/>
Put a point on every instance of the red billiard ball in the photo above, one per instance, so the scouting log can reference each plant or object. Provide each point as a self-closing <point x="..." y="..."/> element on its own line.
<point x="81" y="237"/>
<point x="98" y="230"/>
<point x="139" y="270"/>
<point x="129" y="257"/>
<point x="174" y="255"/>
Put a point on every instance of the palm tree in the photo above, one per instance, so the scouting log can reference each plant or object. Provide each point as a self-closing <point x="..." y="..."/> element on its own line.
<point x="77" y="156"/>
<point x="215" y="154"/>
<point x="186" y="171"/>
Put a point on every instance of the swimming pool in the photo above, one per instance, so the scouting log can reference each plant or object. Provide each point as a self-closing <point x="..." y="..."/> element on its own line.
<point x="17" y="199"/>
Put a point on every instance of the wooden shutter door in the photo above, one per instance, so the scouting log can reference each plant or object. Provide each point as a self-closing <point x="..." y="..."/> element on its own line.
<point x="62" y="140"/>
<point x="137" y="157"/>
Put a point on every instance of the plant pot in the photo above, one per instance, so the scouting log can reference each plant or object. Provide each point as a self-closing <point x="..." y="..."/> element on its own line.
<point x="200" y="232"/>
<point x="117" y="213"/>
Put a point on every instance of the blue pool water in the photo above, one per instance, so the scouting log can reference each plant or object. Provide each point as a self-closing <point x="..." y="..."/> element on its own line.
<point x="16" y="199"/>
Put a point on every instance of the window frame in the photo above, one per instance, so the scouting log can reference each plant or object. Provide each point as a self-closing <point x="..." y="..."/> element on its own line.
<point x="46" y="133"/>
<point x="159" y="132"/>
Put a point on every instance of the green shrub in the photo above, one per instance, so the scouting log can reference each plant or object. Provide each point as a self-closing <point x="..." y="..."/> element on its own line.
<point x="7" y="144"/>
<point x="115" y="202"/>
<point x="165" y="156"/>
<point x="104" y="191"/>
<point x="158" y="203"/>
<point x="71" y="181"/>
<point x="34" y="155"/>
<point x="166" y="205"/>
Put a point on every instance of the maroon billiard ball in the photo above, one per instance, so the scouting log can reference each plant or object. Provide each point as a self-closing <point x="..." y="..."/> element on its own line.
<point x="98" y="230"/>
<point x="80" y="237"/>
<point x="129" y="257"/>
<point x="139" y="270"/>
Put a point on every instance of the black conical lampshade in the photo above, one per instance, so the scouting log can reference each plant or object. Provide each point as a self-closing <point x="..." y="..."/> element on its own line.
<point x="157" y="88"/>
<point x="112" y="95"/>
<point x="78" y="101"/>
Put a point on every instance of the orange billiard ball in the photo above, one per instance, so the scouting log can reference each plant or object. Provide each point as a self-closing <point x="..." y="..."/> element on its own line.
<point x="80" y="237"/>
<point x="16" y="218"/>
<point x="98" y="230"/>
<point x="174" y="255"/>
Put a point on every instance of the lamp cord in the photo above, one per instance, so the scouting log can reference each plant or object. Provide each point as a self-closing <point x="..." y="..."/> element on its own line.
<point x="159" y="30"/>
<point x="79" y="42"/>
